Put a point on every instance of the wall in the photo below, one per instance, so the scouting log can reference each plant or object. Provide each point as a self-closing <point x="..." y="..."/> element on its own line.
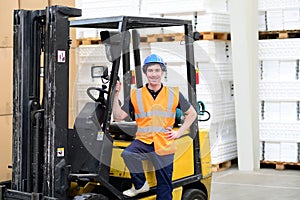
<point x="6" y="43"/>
<point x="5" y="111"/>
<point x="6" y="72"/>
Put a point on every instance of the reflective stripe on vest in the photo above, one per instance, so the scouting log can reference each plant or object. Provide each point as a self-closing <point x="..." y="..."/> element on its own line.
<point x="151" y="129"/>
<point x="169" y="113"/>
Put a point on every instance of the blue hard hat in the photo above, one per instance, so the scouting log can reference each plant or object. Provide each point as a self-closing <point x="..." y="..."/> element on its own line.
<point x="153" y="58"/>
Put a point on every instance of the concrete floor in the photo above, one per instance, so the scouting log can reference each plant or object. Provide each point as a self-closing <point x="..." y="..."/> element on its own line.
<point x="263" y="184"/>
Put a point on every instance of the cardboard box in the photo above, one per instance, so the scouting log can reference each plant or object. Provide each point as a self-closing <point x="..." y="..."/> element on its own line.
<point x="6" y="22"/>
<point x="72" y="87"/>
<point x="6" y="80"/>
<point x="5" y="147"/>
<point x="73" y="37"/>
<point x="33" y="4"/>
<point x="6" y="119"/>
<point x="69" y="3"/>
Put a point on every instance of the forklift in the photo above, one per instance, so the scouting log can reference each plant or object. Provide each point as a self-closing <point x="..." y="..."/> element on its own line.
<point x="54" y="162"/>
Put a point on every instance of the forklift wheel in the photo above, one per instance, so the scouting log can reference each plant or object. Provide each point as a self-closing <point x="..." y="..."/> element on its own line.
<point x="90" y="196"/>
<point x="194" y="194"/>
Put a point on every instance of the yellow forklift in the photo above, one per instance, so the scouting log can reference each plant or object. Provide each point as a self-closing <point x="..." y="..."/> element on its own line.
<point x="52" y="161"/>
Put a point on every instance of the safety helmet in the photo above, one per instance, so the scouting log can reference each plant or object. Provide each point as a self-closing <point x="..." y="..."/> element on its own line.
<point x="152" y="59"/>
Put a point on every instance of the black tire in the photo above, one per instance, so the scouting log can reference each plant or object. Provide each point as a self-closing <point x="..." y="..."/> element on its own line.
<point x="91" y="196"/>
<point x="194" y="194"/>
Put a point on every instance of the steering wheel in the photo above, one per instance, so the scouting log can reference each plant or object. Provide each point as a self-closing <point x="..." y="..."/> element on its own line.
<point x="101" y="91"/>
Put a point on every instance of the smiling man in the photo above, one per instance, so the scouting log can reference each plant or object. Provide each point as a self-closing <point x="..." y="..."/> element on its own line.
<point x="154" y="108"/>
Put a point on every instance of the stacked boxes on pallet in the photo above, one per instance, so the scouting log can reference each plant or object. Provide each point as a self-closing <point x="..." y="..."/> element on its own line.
<point x="213" y="59"/>
<point x="207" y="15"/>
<point x="104" y="8"/>
<point x="182" y="8"/>
<point x="158" y="7"/>
<point x="276" y="15"/>
<point x="204" y="9"/>
<point x="279" y="85"/>
<point x="279" y="93"/>
<point x="213" y="22"/>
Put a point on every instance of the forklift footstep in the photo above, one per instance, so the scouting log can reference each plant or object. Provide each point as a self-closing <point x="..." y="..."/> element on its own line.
<point x="82" y="177"/>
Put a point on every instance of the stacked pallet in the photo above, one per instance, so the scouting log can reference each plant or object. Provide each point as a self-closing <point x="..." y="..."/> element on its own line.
<point x="103" y="8"/>
<point x="279" y="85"/>
<point x="213" y="59"/>
<point x="206" y="15"/>
<point x="279" y="95"/>
<point x="279" y="15"/>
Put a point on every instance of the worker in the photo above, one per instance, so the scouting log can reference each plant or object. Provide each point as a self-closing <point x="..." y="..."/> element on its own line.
<point x="154" y="107"/>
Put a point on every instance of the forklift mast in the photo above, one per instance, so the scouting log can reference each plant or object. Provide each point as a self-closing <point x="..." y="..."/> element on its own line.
<point x="40" y="122"/>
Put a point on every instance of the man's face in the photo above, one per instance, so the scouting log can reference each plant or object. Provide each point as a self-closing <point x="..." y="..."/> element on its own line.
<point x="154" y="74"/>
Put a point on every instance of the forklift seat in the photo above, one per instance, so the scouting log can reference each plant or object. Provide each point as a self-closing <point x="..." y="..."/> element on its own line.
<point x="123" y="130"/>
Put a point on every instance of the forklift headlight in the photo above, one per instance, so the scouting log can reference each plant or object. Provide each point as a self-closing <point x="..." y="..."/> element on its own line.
<point x="99" y="71"/>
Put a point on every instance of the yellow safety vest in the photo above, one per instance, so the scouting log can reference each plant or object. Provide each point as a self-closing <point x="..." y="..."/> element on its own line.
<point x="154" y="115"/>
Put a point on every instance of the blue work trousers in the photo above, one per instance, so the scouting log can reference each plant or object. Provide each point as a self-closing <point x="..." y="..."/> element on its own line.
<point x="138" y="151"/>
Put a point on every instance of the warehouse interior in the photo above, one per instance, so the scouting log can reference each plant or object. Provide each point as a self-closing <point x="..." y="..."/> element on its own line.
<point x="247" y="62"/>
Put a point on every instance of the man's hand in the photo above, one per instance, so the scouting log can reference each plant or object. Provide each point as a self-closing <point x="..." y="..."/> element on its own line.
<point x="190" y="116"/>
<point x="170" y="134"/>
<point x="118" y="113"/>
<point x="118" y="88"/>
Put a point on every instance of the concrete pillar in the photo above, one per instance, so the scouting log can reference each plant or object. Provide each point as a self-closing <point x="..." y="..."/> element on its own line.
<point x="244" y="41"/>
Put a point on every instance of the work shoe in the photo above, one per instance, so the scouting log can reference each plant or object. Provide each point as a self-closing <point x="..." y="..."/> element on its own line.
<point x="133" y="192"/>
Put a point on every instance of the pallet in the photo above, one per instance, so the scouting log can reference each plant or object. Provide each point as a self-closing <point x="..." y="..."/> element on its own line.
<point x="284" y="34"/>
<point x="88" y="41"/>
<point x="222" y="166"/>
<point x="171" y="37"/>
<point x="180" y="37"/>
<point x="162" y="37"/>
<point x="280" y="165"/>
<point x="214" y="36"/>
